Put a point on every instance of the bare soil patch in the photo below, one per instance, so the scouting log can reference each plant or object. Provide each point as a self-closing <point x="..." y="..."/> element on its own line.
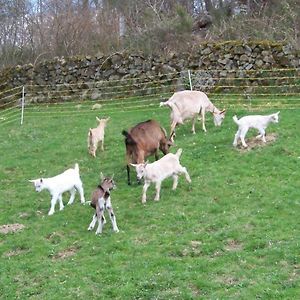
<point x="11" y="228"/>
<point x="65" y="253"/>
<point x="14" y="252"/>
<point x="254" y="142"/>
<point x="233" y="245"/>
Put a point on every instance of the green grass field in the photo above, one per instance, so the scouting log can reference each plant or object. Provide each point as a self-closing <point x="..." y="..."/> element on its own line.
<point x="232" y="234"/>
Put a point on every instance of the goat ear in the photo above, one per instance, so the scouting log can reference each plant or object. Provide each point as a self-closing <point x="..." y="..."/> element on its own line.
<point x="107" y="119"/>
<point x="134" y="165"/>
<point x="171" y="138"/>
<point x="223" y="111"/>
<point x="97" y="119"/>
<point x="278" y="113"/>
<point x="146" y="163"/>
<point x="101" y="176"/>
<point x="32" y="180"/>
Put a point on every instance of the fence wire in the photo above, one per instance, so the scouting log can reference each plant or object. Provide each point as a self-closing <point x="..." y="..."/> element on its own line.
<point x="263" y="89"/>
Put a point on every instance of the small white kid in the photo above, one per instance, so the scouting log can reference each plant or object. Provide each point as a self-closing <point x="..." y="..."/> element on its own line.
<point x="168" y="166"/>
<point x="258" y="122"/>
<point x="69" y="180"/>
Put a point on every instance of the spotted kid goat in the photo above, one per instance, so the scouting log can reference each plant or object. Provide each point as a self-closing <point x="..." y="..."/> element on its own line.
<point x="100" y="202"/>
<point x="143" y="140"/>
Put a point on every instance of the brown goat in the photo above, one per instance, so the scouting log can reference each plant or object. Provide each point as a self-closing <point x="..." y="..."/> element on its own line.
<point x="143" y="140"/>
<point x="100" y="202"/>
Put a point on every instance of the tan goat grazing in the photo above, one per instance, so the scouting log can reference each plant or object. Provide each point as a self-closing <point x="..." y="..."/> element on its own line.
<point x="96" y="136"/>
<point x="190" y="105"/>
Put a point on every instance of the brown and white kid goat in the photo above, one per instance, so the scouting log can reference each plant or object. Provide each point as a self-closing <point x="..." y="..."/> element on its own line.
<point x="143" y="140"/>
<point x="100" y="202"/>
<point x="96" y="135"/>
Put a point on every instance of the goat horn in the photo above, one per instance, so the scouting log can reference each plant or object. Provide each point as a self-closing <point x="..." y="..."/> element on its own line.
<point x="101" y="176"/>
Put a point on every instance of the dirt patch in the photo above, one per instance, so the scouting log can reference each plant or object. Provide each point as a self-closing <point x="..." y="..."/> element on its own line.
<point x="233" y="245"/>
<point x="65" y="253"/>
<point x="55" y="237"/>
<point x="14" y="252"/>
<point x="254" y="142"/>
<point x="24" y="215"/>
<point x="194" y="250"/>
<point x="228" y="280"/>
<point x="11" y="228"/>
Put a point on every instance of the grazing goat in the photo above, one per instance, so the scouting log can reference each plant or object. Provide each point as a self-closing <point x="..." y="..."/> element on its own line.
<point x="96" y="135"/>
<point x="258" y="122"/>
<point x="189" y="105"/>
<point x="157" y="171"/>
<point x="69" y="180"/>
<point x="143" y="140"/>
<point x="100" y="202"/>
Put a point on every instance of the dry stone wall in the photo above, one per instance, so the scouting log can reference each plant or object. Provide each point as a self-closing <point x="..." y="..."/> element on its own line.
<point x="81" y="76"/>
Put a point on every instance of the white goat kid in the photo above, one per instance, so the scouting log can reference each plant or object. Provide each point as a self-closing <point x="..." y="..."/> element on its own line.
<point x="159" y="170"/>
<point x="189" y="105"/>
<point x="96" y="135"/>
<point x="258" y="122"/>
<point x="69" y="180"/>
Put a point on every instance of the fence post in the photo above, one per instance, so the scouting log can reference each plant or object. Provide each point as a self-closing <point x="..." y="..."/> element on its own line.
<point x="22" y="105"/>
<point x="190" y="80"/>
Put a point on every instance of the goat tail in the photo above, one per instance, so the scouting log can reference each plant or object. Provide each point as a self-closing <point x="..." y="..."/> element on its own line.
<point x="125" y="133"/>
<point x="129" y="140"/>
<point x="178" y="153"/>
<point x="235" y="119"/>
<point x="76" y="167"/>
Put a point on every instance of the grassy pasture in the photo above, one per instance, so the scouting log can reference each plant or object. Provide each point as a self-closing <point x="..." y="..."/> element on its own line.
<point x="232" y="234"/>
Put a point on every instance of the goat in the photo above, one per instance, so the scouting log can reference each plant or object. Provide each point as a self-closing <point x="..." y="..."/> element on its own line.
<point x="157" y="171"/>
<point x="100" y="202"/>
<point x="258" y="122"/>
<point x="190" y="104"/>
<point x="96" y="135"/>
<point x="69" y="180"/>
<point x="143" y="140"/>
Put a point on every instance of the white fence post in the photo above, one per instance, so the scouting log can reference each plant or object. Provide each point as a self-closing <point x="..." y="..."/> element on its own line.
<point x="190" y="80"/>
<point x="22" y="105"/>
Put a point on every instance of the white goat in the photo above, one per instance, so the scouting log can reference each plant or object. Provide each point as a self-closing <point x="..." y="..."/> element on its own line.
<point x="258" y="122"/>
<point x="69" y="180"/>
<point x="96" y="135"/>
<point x="159" y="170"/>
<point x="189" y="105"/>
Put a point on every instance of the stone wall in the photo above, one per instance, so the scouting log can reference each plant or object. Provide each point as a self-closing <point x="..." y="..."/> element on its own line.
<point x="76" y="76"/>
